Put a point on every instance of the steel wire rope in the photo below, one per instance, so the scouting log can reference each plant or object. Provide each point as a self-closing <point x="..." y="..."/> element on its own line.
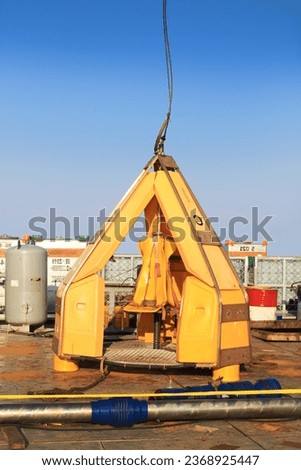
<point x="159" y="143"/>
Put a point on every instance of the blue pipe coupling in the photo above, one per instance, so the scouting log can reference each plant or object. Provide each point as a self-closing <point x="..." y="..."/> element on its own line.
<point x="119" y="412"/>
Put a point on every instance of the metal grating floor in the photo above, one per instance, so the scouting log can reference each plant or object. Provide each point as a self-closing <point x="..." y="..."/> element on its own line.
<point x="138" y="354"/>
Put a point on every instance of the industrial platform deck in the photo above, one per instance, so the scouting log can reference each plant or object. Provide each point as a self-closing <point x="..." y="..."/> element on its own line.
<point x="26" y="366"/>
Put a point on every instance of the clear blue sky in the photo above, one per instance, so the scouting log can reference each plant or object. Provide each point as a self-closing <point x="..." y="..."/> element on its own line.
<point x="83" y="94"/>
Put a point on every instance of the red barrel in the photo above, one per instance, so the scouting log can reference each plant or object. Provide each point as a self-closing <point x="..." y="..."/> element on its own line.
<point x="262" y="297"/>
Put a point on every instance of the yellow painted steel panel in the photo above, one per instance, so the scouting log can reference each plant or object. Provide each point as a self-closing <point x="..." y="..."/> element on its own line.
<point x="180" y="228"/>
<point x="84" y="318"/>
<point x="233" y="296"/>
<point x="220" y="266"/>
<point x="235" y="334"/>
<point x="198" y="328"/>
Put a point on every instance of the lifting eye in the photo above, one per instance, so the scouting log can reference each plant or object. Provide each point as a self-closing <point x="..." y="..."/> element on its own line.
<point x="198" y="220"/>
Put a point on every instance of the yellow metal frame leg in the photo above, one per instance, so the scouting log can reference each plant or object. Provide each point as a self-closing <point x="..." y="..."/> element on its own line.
<point x="64" y="365"/>
<point x="227" y="373"/>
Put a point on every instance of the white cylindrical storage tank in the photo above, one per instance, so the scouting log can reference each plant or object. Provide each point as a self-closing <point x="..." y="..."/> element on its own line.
<point x="26" y="285"/>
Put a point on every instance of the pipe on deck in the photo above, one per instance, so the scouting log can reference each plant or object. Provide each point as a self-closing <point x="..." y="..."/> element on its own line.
<point x="225" y="409"/>
<point x="45" y="413"/>
<point x="121" y="412"/>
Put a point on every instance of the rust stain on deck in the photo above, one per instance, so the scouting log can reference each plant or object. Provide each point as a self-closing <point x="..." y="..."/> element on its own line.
<point x="25" y="348"/>
<point x="27" y="375"/>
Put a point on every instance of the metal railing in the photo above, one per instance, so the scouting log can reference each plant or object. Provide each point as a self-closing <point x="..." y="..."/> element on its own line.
<point x="279" y="273"/>
<point x="120" y="274"/>
<point x="272" y="272"/>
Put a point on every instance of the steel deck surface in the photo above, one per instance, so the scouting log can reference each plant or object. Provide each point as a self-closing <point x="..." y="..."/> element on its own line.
<point x="26" y="367"/>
